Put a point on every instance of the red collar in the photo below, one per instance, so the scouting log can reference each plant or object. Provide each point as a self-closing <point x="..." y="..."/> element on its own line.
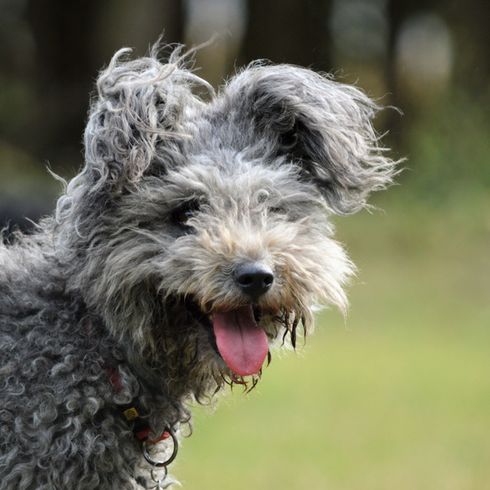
<point x="132" y="412"/>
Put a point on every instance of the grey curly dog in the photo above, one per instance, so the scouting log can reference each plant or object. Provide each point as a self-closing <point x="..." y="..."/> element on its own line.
<point x="195" y="238"/>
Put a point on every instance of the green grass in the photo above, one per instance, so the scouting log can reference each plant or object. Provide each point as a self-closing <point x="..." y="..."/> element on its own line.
<point x="396" y="397"/>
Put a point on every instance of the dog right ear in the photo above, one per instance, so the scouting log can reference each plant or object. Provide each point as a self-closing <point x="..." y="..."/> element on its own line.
<point x="321" y="126"/>
<point x="135" y="118"/>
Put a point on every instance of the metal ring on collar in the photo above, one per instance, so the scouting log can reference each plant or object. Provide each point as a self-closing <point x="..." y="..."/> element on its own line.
<point x="160" y="464"/>
<point x="156" y="478"/>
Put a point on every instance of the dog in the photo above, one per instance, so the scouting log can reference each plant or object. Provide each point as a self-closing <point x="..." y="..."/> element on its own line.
<point x="196" y="237"/>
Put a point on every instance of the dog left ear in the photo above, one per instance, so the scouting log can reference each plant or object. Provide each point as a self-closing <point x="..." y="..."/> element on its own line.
<point x="135" y="121"/>
<point x="135" y="128"/>
<point x="323" y="126"/>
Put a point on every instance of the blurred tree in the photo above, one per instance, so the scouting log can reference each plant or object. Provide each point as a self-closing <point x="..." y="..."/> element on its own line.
<point x="288" y="31"/>
<point x="50" y="53"/>
<point x="472" y="33"/>
<point x="398" y="11"/>
<point x="72" y="41"/>
<point x="63" y="70"/>
<point x="470" y="36"/>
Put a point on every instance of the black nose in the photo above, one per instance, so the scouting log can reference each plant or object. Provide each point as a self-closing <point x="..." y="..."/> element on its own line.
<point x="254" y="279"/>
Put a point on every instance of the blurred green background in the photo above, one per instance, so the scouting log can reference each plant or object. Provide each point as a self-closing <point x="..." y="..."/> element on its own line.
<point x="397" y="395"/>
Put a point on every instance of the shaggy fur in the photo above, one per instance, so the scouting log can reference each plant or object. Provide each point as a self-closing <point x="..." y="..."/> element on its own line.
<point x="176" y="191"/>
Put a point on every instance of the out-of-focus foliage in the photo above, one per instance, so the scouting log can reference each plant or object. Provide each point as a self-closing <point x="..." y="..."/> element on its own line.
<point x="449" y="148"/>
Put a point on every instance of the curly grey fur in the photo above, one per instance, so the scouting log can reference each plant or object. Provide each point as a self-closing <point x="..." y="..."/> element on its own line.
<point x="112" y="282"/>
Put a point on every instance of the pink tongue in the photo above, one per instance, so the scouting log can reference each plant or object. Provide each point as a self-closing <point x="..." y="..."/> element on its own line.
<point x="241" y="342"/>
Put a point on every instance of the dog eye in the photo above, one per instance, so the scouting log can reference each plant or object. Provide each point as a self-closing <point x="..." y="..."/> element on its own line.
<point x="181" y="215"/>
<point x="277" y="210"/>
<point x="289" y="140"/>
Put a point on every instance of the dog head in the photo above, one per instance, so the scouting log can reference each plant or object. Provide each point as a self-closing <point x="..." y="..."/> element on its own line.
<point x="201" y="227"/>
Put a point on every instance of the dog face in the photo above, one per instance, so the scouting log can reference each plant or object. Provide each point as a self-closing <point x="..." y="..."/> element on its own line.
<point x="204" y="226"/>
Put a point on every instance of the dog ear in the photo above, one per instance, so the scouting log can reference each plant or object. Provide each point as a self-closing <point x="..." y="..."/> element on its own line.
<point x="323" y="126"/>
<point x="135" y="118"/>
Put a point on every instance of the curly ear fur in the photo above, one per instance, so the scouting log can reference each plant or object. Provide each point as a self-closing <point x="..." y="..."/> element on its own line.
<point x="135" y="123"/>
<point x="138" y="110"/>
<point x="323" y="126"/>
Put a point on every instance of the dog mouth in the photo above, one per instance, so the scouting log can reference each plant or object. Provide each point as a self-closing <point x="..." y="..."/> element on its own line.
<point x="237" y="337"/>
<point x="241" y="342"/>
